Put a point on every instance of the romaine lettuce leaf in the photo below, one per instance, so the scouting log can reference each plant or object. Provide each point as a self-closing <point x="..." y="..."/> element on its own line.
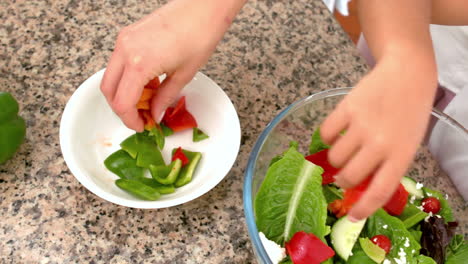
<point x="290" y="199"/>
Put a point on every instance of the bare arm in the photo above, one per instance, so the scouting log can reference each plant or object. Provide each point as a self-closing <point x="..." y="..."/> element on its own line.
<point x="449" y="12"/>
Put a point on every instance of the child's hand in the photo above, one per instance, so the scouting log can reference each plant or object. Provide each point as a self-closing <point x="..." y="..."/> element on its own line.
<point x="175" y="40"/>
<point x="385" y="118"/>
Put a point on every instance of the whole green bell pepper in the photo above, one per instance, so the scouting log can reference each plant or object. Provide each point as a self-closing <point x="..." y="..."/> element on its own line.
<point x="12" y="127"/>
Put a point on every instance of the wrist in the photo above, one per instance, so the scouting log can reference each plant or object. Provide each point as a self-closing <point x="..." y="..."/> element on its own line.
<point x="413" y="60"/>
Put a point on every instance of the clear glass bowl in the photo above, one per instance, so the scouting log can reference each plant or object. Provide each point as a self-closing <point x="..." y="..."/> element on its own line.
<point x="298" y="121"/>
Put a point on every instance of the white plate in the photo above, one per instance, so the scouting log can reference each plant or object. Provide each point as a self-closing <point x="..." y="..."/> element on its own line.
<point x="90" y="132"/>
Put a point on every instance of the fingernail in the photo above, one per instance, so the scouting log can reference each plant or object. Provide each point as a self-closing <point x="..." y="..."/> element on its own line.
<point x="352" y="219"/>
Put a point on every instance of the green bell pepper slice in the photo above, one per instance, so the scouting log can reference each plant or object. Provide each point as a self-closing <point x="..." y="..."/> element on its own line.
<point x="198" y="135"/>
<point x="12" y="127"/>
<point x="143" y="147"/>
<point x="138" y="189"/>
<point x="166" y="174"/>
<point x="123" y="165"/>
<point x="161" y="188"/>
<point x="186" y="173"/>
<point x="167" y="131"/>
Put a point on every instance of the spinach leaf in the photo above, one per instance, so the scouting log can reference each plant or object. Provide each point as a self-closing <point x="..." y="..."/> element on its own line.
<point x="316" y="143"/>
<point x="445" y="210"/>
<point x="290" y="199"/>
<point x="403" y="243"/>
<point x="411" y="215"/>
<point x="425" y="260"/>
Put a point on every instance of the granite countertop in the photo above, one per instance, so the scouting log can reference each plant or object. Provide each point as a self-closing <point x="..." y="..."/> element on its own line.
<point x="275" y="53"/>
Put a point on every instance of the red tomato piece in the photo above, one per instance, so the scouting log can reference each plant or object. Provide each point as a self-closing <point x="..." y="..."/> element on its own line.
<point x="306" y="248"/>
<point x="396" y="204"/>
<point x="383" y="242"/>
<point x="321" y="159"/>
<point x="178" y="118"/>
<point x="431" y="205"/>
<point x="179" y="154"/>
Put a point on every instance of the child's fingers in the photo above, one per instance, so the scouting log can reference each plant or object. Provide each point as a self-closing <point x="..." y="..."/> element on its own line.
<point x="383" y="185"/>
<point x="345" y="147"/>
<point x="358" y="168"/>
<point x="126" y="98"/>
<point x="167" y="94"/>
<point x="335" y="123"/>
<point x="112" y="76"/>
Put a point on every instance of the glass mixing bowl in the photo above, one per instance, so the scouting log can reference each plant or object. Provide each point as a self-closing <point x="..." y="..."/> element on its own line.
<point x="298" y="121"/>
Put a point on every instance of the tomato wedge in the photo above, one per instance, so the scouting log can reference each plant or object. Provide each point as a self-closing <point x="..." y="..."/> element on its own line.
<point x="178" y="118"/>
<point x="306" y="248"/>
<point x="321" y="159"/>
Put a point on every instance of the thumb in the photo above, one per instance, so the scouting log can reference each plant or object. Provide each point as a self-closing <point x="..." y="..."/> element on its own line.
<point x="167" y="94"/>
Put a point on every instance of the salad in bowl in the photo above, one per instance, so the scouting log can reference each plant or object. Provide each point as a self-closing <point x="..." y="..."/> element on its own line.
<point x="296" y="214"/>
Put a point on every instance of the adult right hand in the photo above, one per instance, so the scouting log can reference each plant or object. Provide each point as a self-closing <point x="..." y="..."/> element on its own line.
<point x="175" y="40"/>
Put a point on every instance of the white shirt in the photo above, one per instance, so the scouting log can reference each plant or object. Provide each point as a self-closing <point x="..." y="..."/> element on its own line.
<point x="451" y="51"/>
<point x="340" y="5"/>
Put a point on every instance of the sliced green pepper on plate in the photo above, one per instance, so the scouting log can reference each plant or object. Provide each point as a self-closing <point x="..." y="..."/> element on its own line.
<point x="12" y="127"/>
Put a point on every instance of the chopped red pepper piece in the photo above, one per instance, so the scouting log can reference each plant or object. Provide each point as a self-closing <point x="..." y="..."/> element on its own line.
<point x="394" y="206"/>
<point x="306" y="248"/>
<point x="178" y="118"/>
<point x="143" y="105"/>
<point x="321" y="159"/>
<point x="146" y="95"/>
<point x="153" y="84"/>
<point x="148" y="119"/>
<point x="179" y="154"/>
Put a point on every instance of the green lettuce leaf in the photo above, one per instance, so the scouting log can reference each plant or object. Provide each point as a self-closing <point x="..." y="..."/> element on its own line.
<point x="445" y="210"/>
<point x="316" y="143"/>
<point x="457" y="251"/>
<point x="412" y="215"/>
<point x="402" y="240"/>
<point x="425" y="260"/>
<point x="290" y="199"/>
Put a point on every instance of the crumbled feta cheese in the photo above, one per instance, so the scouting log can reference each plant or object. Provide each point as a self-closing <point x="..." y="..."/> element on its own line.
<point x="386" y="261"/>
<point x="427" y="217"/>
<point x="275" y="252"/>
<point x="429" y="194"/>
<point x="438" y="216"/>
<point x="412" y="199"/>
<point x="384" y="226"/>
<point x="350" y="253"/>
<point x="406" y="243"/>
<point x="413" y="251"/>
<point x="419" y="186"/>
<point x="402" y="257"/>
<point x="446" y="196"/>
<point x="420" y="207"/>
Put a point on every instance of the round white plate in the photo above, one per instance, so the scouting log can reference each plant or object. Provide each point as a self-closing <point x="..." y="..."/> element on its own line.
<point x="90" y="132"/>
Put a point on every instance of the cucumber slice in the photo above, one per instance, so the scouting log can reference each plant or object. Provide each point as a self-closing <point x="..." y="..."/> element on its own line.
<point x="412" y="187"/>
<point x="344" y="235"/>
<point x="373" y="251"/>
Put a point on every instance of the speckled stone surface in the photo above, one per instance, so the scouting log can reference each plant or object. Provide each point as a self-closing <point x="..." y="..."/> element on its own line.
<point x="275" y="53"/>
